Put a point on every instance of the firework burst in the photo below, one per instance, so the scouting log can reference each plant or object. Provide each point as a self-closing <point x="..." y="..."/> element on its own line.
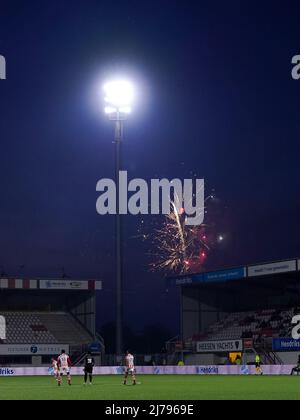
<point x="180" y="248"/>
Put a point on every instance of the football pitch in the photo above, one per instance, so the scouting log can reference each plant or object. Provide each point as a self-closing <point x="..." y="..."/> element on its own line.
<point x="154" y="388"/>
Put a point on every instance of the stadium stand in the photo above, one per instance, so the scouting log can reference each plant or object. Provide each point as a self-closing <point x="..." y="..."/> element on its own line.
<point x="42" y="317"/>
<point x="65" y="329"/>
<point x="253" y="305"/>
<point x="256" y="325"/>
<point x="44" y="328"/>
<point x="26" y="328"/>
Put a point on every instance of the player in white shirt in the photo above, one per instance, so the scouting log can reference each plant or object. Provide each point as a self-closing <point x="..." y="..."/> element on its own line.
<point x="64" y="365"/>
<point x="55" y="369"/>
<point x="129" y="368"/>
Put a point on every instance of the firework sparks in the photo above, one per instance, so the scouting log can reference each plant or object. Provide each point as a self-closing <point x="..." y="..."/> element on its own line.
<point x="181" y="248"/>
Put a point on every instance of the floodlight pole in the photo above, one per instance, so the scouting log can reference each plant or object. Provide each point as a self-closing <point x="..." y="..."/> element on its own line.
<point x="119" y="95"/>
<point x="119" y="237"/>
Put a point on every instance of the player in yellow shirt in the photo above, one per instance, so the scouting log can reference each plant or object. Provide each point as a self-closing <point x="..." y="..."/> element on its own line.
<point x="259" y="370"/>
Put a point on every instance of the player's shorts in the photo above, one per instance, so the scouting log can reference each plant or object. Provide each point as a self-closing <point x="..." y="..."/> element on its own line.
<point x="89" y="370"/>
<point x="130" y="371"/>
<point x="65" y="371"/>
<point x="258" y="365"/>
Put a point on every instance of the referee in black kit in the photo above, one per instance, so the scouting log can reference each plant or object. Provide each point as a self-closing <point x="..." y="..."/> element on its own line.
<point x="89" y="365"/>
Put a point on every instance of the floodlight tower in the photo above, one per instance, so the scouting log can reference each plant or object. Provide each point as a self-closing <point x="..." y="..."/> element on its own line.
<point x="119" y="95"/>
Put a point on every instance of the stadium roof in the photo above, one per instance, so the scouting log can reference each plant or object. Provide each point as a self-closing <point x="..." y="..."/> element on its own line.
<point x="238" y="273"/>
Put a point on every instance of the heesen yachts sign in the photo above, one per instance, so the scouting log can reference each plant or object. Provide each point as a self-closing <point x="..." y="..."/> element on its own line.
<point x="271" y="269"/>
<point x="32" y="350"/>
<point x="230" y="346"/>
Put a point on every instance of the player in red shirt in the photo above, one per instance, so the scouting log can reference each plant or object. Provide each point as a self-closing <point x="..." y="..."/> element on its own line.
<point x="64" y="364"/>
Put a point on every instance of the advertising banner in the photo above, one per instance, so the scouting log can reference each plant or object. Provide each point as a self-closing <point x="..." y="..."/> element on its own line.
<point x="32" y="350"/>
<point x="213" y="277"/>
<point x="30" y="284"/>
<point x="286" y="344"/>
<point x="229" y="346"/>
<point x="157" y="370"/>
<point x="225" y="275"/>
<point x="275" y="268"/>
<point x="64" y="285"/>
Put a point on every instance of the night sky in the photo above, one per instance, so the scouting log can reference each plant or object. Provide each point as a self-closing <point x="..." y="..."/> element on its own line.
<point x="216" y="97"/>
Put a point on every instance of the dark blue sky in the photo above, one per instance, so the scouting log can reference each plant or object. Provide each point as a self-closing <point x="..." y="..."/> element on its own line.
<point x="216" y="94"/>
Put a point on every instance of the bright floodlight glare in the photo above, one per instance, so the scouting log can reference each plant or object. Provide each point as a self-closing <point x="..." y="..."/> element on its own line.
<point x="119" y="95"/>
<point x="125" y="110"/>
<point x="110" y="110"/>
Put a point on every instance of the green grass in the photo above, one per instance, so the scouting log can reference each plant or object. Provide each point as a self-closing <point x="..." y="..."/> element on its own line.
<point x="154" y="388"/>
